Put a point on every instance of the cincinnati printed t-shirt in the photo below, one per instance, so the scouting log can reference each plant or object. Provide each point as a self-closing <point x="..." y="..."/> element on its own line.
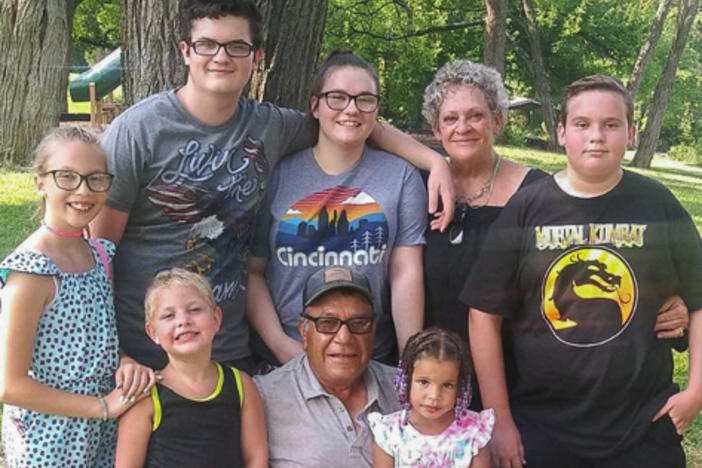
<point x="581" y="281"/>
<point x="192" y="192"/>
<point x="355" y="218"/>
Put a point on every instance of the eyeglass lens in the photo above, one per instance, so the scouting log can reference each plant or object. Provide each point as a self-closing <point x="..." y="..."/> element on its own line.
<point x="237" y="49"/>
<point x="71" y="180"/>
<point x="329" y="325"/>
<point x="338" y="100"/>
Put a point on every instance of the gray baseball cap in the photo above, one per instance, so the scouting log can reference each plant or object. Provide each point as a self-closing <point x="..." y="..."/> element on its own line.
<point x="337" y="277"/>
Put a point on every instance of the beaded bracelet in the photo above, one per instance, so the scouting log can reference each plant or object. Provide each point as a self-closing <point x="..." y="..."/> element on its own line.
<point x="105" y="409"/>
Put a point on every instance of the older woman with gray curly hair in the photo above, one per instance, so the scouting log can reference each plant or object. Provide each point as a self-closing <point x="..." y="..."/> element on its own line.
<point x="466" y="105"/>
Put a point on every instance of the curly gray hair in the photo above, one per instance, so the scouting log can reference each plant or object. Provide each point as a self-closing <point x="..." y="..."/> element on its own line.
<point x="465" y="73"/>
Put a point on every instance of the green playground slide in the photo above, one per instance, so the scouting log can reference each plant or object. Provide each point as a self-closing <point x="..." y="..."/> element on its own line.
<point x="105" y="74"/>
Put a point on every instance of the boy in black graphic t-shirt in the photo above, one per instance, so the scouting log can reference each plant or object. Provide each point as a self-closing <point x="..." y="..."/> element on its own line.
<point x="580" y="263"/>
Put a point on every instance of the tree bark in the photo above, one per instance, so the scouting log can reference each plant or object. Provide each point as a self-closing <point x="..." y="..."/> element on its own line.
<point x="495" y="34"/>
<point x="151" y="61"/>
<point x="649" y="137"/>
<point x="541" y="80"/>
<point x="648" y="47"/>
<point x="294" y="30"/>
<point x="35" y="37"/>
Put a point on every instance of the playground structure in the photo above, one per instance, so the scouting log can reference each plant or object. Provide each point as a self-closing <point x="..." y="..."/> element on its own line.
<point x="96" y="85"/>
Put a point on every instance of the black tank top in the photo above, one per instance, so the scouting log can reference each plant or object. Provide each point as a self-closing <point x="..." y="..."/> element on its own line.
<point x="198" y="433"/>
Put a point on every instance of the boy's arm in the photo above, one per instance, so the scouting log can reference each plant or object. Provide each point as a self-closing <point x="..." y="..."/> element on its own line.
<point x="685" y="406"/>
<point x="133" y="435"/>
<point x="486" y="349"/>
<point x="254" y="441"/>
<point x="407" y="292"/>
<point x="110" y="224"/>
<point x="439" y="185"/>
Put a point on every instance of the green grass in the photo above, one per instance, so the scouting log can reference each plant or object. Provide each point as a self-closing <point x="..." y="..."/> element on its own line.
<point x="18" y="201"/>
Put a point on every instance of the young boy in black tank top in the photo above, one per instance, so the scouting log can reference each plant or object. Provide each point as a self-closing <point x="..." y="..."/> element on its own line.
<point x="195" y="416"/>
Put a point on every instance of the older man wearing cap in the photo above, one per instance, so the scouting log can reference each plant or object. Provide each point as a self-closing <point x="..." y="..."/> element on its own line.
<point x="316" y="404"/>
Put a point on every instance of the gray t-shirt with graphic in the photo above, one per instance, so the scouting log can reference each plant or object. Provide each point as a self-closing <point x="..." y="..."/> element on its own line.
<point x="313" y="219"/>
<point x="192" y="192"/>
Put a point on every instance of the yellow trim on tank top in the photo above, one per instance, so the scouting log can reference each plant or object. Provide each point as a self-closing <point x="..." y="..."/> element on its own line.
<point x="214" y="394"/>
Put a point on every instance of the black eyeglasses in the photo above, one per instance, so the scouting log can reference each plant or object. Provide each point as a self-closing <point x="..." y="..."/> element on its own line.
<point x="339" y="100"/>
<point x="234" y="49"/>
<point x="331" y="325"/>
<point x="70" y="180"/>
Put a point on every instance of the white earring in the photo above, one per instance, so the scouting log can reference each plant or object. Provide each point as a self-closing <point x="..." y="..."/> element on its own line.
<point x="156" y="341"/>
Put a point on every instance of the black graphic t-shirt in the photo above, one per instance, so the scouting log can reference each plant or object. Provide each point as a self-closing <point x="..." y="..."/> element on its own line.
<point x="581" y="281"/>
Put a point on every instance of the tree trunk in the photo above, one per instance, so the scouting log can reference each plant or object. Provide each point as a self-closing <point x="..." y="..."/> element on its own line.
<point x="541" y="81"/>
<point x="495" y="34"/>
<point x="648" y="47"/>
<point x="151" y="61"/>
<point x="35" y="37"/>
<point x="649" y="137"/>
<point x="294" y="30"/>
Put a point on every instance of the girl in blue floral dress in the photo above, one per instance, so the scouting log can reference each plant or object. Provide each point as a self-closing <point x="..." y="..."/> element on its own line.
<point x="58" y="340"/>
<point x="435" y="428"/>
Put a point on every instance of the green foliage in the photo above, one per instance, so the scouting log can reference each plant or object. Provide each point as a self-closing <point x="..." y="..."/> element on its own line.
<point x="386" y="34"/>
<point x="96" y="27"/>
<point x="686" y="154"/>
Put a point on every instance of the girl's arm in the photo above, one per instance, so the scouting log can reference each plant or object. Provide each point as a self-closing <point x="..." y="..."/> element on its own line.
<point x="254" y="441"/>
<point x="262" y="315"/>
<point x="407" y="292"/>
<point x="133" y="435"/>
<point x="486" y="348"/>
<point x="381" y="459"/>
<point x="440" y="183"/>
<point x="482" y="459"/>
<point x="24" y="297"/>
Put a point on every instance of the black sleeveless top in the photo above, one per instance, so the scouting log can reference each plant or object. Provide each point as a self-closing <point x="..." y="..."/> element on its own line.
<point x="198" y="433"/>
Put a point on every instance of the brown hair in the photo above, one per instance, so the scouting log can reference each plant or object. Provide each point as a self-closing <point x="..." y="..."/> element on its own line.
<point x="180" y="277"/>
<point x="44" y="150"/>
<point x="198" y="9"/>
<point x="438" y="344"/>
<point x="597" y="83"/>
<point x="340" y="58"/>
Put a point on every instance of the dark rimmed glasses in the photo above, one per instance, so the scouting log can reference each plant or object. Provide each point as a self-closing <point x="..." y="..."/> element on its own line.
<point x="339" y="100"/>
<point x="70" y="180"/>
<point x="331" y="325"/>
<point x="234" y="49"/>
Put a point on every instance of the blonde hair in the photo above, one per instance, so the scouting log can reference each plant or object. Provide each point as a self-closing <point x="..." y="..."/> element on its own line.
<point x="44" y="150"/>
<point x="180" y="277"/>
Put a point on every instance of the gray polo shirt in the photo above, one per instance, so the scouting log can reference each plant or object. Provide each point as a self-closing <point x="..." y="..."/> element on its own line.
<point x="308" y="427"/>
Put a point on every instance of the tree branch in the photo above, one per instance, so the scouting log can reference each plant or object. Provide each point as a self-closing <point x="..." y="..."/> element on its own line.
<point x="420" y="32"/>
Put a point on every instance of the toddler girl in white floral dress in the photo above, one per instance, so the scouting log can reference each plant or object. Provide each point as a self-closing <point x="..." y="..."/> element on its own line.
<point x="434" y="429"/>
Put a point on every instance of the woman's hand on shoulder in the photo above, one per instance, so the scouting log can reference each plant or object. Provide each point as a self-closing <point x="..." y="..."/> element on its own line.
<point x="134" y="379"/>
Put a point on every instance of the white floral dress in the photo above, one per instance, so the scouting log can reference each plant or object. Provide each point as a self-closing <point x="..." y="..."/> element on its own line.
<point x="453" y="448"/>
<point x="75" y="350"/>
